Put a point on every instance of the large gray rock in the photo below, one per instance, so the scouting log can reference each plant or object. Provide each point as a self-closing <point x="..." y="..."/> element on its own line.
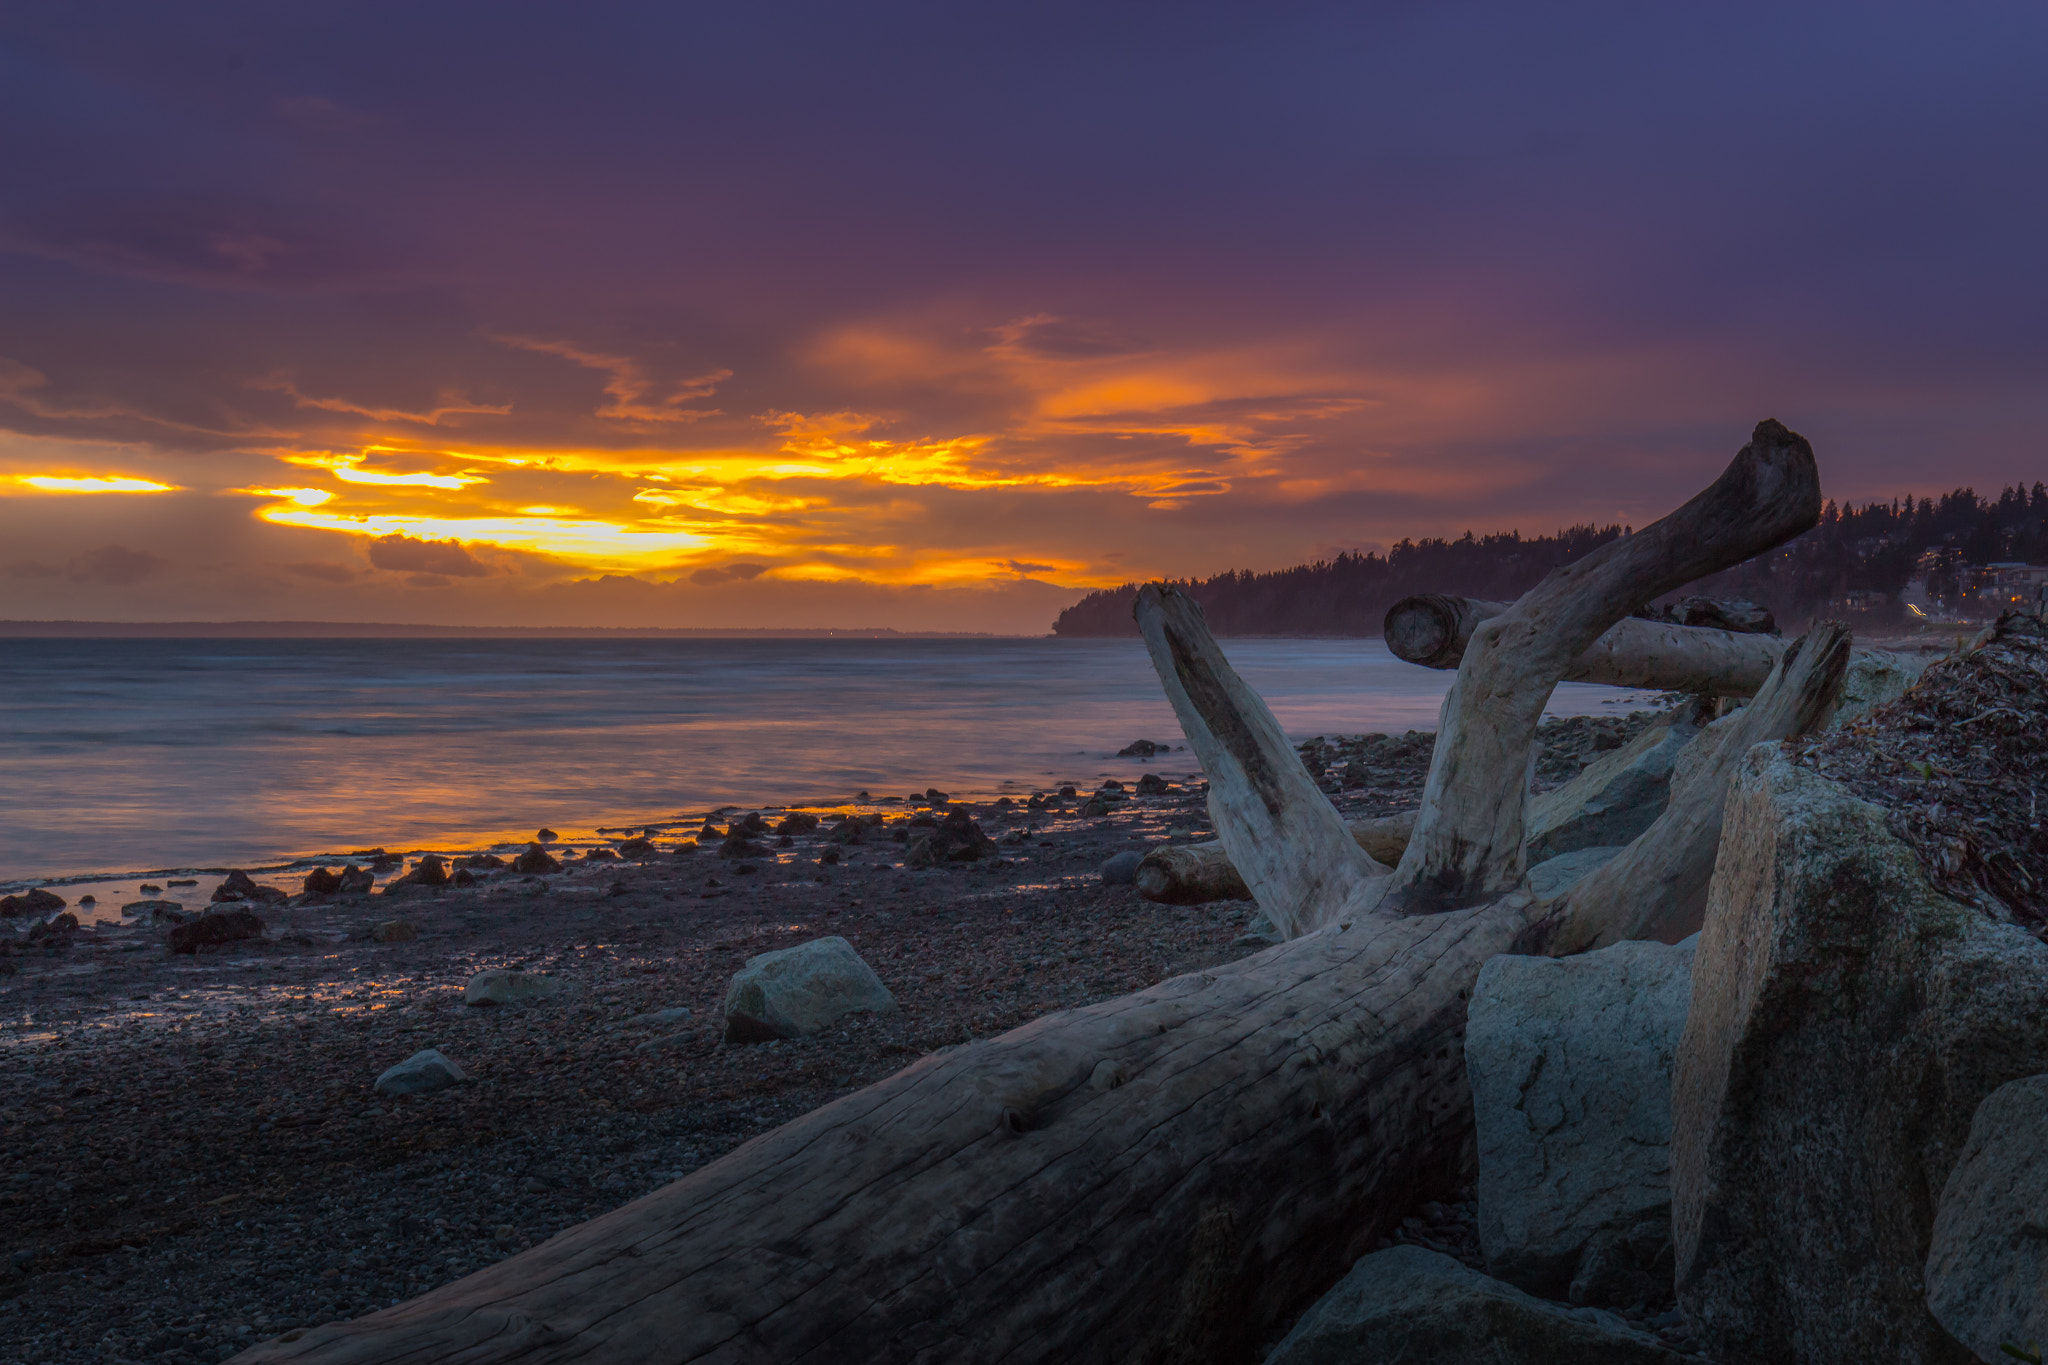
<point x="1420" y="1307"/>
<point x="1570" y="1065"/>
<point x="1987" y="1274"/>
<point x="1846" y="1022"/>
<point x="794" y="991"/>
<point x="1615" y="798"/>
<point x="503" y="986"/>
<point x="420" y="1074"/>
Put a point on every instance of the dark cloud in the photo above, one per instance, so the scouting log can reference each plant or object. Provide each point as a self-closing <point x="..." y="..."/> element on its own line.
<point x="193" y="237"/>
<point x="730" y="573"/>
<point x="112" y="566"/>
<point x="442" y="559"/>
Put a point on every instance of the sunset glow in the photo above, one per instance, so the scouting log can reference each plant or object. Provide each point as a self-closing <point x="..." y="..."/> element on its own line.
<point x="110" y="483"/>
<point x="943" y="325"/>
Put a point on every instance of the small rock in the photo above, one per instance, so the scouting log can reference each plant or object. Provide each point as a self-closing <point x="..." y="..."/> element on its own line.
<point x="482" y="862"/>
<point x="599" y="855"/>
<point x="395" y="931"/>
<point x="829" y="858"/>
<point x="797" y="822"/>
<point x="157" y="909"/>
<point x="148" y="890"/>
<point x="1095" y="806"/>
<point x="545" y="836"/>
<point x="639" y="850"/>
<point x="420" y="1074"/>
<point x="535" y="860"/>
<point x="1152" y="784"/>
<point x="1141" y="748"/>
<point x="356" y="881"/>
<point x="501" y="986"/>
<point x="463" y="877"/>
<point x="88" y="900"/>
<point x="213" y="928"/>
<point x="431" y="870"/>
<point x="658" y="1018"/>
<point x="1122" y="869"/>
<point x="801" y="990"/>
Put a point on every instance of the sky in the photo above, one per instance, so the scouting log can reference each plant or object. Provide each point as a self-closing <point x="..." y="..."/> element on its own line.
<point x="936" y="316"/>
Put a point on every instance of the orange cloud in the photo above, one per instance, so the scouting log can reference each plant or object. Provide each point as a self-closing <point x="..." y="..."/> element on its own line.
<point x="90" y="483"/>
<point x="628" y="385"/>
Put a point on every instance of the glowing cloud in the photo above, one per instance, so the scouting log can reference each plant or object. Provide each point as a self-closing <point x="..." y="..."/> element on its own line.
<point x="92" y="483"/>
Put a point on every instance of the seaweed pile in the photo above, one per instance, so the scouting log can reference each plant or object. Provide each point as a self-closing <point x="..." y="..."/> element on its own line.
<point x="1959" y="764"/>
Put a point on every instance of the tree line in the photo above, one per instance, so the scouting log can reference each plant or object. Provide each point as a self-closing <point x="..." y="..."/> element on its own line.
<point x="1857" y="559"/>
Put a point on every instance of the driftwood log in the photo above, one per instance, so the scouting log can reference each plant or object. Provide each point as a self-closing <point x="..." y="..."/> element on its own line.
<point x="1165" y="1176"/>
<point x="1191" y="874"/>
<point x="1433" y="629"/>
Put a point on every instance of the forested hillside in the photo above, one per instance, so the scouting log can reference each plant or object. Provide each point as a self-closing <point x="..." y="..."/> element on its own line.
<point x="1873" y="549"/>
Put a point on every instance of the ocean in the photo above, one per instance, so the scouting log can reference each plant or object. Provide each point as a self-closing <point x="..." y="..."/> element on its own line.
<point x="143" y="754"/>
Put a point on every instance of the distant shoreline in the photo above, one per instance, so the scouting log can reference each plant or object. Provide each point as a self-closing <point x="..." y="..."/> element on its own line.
<point x="373" y="630"/>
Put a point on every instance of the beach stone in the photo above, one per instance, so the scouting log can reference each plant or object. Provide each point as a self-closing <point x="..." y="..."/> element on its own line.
<point x="848" y="832"/>
<point x="1121" y="869"/>
<point x="356" y="881"/>
<point x="213" y="928"/>
<point x="420" y="1074"/>
<point x="321" y="882"/>
<point x="796" y="991"/>
<point x="395" y="931"/>
<point x="148" y="890"/>
<point x="1152" y="784"/>
<point x="1095" y="806"/>
<point x="1847" y="1022"/>
<point x="1420" y="1307"/>
<point x="535" y="860"/>
<point x="1987" y="1271"/>
<point x="502" y="986"/>
<point x="1570" y="1062"/>
<point x="1141" y="748"/>
<point x="482" y="862"/>
<point x="639" y="850"/>
<point x="238" y="886"/>
<point x="955" y="839"/>
<point x="53" y="933"/>
<point x="545" y="836"/>
<point x="797" y="822"/>
<point x="155" y="909"/>
<point x="599" y="855"/>
<point x="431" y="870"/>
<point x="659" y="1018"/>
<point x="35" y="901"/>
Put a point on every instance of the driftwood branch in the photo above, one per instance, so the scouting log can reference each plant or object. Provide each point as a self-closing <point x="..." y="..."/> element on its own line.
<point x="1468" y="836"/>
<point x="1191" y="874"/>
<point x="1657" y="886"/>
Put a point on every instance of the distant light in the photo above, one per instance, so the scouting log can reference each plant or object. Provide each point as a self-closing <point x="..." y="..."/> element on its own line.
<point x="113" y="483"/>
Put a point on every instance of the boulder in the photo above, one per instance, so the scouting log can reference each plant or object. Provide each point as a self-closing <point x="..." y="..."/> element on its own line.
<point x="639" y="850"/>
<point x="420" y="1074"/>
<point x="797" y="822"/>
<point x="1846" y="1023"/>
<point x="1142" y="748"/>
<point x="502" y="986"/>
<point x="213" y="928"/>
<point x="1615" y="798"/>
<point x="321" y="882"/>
<point x="796" y="991"/>
<point x="1152" y="784"/>
<point x="35" y="901"/>
<point x="356" y="881"/>
<point x="54" y="933"/>
<point x="431" y="870"/>
<point x="1987" y="1272"/>
<point x="1121" y="869"/>
<point x="535" y="861"/>
<point x="1419" y="1307"/>
<point x="1570" y="1066"/>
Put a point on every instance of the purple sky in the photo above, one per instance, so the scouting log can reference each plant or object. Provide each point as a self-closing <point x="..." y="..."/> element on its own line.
<point x="937" y="315"/>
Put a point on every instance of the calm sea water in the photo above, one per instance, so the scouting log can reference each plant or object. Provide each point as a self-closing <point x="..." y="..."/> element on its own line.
<point x="124" y="755"/>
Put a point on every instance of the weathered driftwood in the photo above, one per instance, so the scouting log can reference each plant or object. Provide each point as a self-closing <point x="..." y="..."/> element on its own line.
<point x="1433" y="629"/>
<point x="1156" y="1178"/>
<point x="1192" y="874"/>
